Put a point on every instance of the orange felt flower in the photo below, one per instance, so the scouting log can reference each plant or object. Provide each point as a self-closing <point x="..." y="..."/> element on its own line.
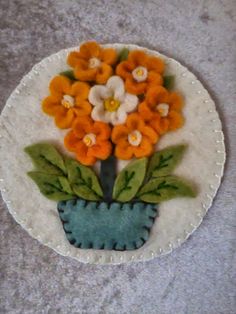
<point x="134" y="138"/>
<point x="162" y="109"/>
<point x="89" y="140"/>
<point x="140" y="72"/>
<point x="67" y="100"/>
<point x="92" y="62"/>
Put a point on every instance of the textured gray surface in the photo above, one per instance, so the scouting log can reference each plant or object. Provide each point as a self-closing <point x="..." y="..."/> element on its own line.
<point x="200" y="276"/>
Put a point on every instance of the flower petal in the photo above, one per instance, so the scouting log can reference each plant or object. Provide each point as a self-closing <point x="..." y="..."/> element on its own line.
<point x="60" y="85"/>
<point x="118" y="117"/>
<point x="109" y="56"/>
<point x="83" y="72"/>
<point x="103" y="73"/>
<point x="82" y="155"/>
<point x="82" y="108"/>
<point x="176" y="101"/>
<point x="64" y="120"/>
<point x="134" y="87"/>
<point x="119" y="132"/>
<point x="130" y="102"/>
<point x="102" y="150"/>
<point x="90" y="49"/>
<point x="150" y="134"/>
<point x="98" y="114"/>
<point x="135" y="122"/>
<point x="80" y="89"/>
<point x="154" y="79"/>
<point x="116" y="85"/>
<point x="124" y="69"/>
<point x="51" y="105"/>
<point x="82" y="126"/>
<point x="176" y="120"/>
<point x="156" y="95"/>
<point x="97" y="94"/>
<point x="124" y="150"/>
<point x="145" y="111"/>
<point x="160" y="125"/>
<point x="144" y="149"/>
<point x="156" y="64"/>
<point x="138" y="57"/>
<point x="102" y="130"/>
<point x="71" y="141"/>
<point x="73" y="58"/>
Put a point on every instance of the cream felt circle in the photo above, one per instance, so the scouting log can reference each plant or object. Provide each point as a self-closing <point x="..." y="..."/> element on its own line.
<point x="23" y="123"/>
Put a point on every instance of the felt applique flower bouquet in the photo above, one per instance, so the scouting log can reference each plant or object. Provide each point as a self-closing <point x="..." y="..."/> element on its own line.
<point x="116" y="106"/>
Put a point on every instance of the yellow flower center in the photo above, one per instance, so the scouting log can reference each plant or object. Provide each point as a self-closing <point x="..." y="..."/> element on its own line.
<point x="68" y="101"/>
<point x="163" y="109"/>
<point x="89" y="139"/>
<point x="111" y="104"/>
<point x="140" y="74"/>
<point x="94" y="63"/>
<point x="135" y="138"/>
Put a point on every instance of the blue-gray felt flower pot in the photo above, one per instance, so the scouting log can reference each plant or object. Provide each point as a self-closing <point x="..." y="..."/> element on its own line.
<point x="107" y="226"/>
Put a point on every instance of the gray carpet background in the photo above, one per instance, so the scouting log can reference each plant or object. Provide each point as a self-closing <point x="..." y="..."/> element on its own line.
<point x="199" y="277"/>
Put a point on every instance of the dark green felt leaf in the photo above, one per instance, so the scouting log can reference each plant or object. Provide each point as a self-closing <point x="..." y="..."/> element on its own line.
<point x="46" y="158"/>
<point x="165" y="188"/>
<point x="52" y="186"/>
<point x="123" y="55"/>
<point x="69" y="74"/>
<point x="129" y="180"/>
<point x="163" y="162"/>
<point x="83" y="180"/>
<point x="169" y="81"/>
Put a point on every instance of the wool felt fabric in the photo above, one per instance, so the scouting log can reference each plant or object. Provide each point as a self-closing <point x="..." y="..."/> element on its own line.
<point x="178" y="217"/>
<point x="114" y="226"/>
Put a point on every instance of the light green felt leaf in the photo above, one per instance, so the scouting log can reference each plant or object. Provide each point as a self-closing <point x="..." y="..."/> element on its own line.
<point x="69" y="74"/>
<point x="129" y="180"/>
<point x="52" y="186"/>
<point x="165" y="188"/>
<point x="123" y="55"/>
<point x="83" y="180"/>
<point x="169" y="81"/>
<point x="46" y="158"/>
<point x="163" y="162"/>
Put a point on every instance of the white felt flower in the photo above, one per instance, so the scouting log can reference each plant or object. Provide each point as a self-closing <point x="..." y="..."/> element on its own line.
<point x="111" y="102"/>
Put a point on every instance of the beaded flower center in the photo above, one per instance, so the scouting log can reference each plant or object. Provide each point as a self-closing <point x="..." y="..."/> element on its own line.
<point x="89" y="139"/>
<point x="94" y="63"/>
<point x="163" y="109"/>
<point x="135" y="138"/>
<point x="140" y="74"/>
<point x="111" y="104"/>
<point x="68" y="101"/>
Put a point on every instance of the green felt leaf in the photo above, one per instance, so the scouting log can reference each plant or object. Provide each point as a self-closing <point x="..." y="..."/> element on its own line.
<point x="123" y="55"/>
<point x="169" y="81"/>
<point x="129" y="180"/>
<point x="163" y="162"/>
<point x="83" y="180"/>
<point x="69" y="74"/>
<point x="52" y="186"/>
<point x="46" y="158"/>
<point x="165" y="188"/>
